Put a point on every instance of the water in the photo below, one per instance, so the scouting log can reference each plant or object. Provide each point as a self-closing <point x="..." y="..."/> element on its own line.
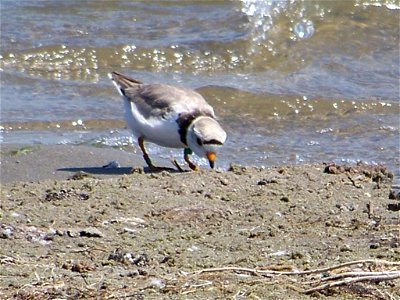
<point x="291" y="81"/>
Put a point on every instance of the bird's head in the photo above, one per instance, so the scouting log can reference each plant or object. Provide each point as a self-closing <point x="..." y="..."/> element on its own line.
<point x="205" y="137"/>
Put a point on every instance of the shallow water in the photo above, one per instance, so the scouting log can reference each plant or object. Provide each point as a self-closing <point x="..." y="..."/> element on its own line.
<point x="291" y="81"/>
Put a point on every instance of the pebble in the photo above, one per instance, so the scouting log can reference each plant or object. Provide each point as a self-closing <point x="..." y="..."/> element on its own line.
<point x="278" y="253"/>
<point x="394" y="195"/>
<point x="345" y="248"/>
<point x="267" y="181"/>
<point x="224" y="181"/>
<point x="225" y="198"/>
<point x="285" y="199"/>
<point x="296" y="255"/>
<point x="157" y="283"/>
<point x="15" y="215"/>
<point x="165" y="174"/>
<point x="50" y="235"/>
<point x="79" y="175"/>
<point x="237" y="169"/>
<point x="394" y="206"/>
<point x="90" y="232"/>
<point x="374" y="246"/>
<point x="6" y="233"/>
<point x="130" y="230"/>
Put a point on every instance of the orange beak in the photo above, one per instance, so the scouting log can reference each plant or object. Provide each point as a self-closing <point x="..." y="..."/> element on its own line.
<point x="211" y="159"/>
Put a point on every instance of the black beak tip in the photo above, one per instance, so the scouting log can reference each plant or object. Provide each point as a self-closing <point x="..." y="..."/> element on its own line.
<point x="212" y="164"/>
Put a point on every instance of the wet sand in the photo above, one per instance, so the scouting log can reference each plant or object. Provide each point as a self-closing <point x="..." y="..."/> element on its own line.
<point x="39" y="162"/>
<point x="242" y="233"/>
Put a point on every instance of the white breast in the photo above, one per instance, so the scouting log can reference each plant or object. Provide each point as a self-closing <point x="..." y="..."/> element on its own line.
<point x="163" y="132"/>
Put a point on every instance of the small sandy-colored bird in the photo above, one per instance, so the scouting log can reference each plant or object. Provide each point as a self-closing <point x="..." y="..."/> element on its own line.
<point x="170" y="116"/>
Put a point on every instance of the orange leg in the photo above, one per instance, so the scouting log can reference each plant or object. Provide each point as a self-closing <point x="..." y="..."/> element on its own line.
<point x="186" y="154"/>
<point x="145" y="155"/>
<point x="148" y="160"/>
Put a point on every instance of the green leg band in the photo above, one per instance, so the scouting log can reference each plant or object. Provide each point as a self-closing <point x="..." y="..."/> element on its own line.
<point x="187" y="151"/>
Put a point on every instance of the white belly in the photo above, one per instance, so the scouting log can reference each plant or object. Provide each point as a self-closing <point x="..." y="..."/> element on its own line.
<point x="163" y="132"/>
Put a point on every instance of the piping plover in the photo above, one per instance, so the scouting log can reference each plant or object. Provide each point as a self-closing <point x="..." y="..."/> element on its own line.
<point x="170" y="116"/>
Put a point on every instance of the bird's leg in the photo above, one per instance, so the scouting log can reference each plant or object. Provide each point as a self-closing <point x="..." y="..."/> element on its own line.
<point x="186" y="154"/>
<point x="176" y="164"/>
<point x="148" y="160"/>
<point x="145" y="155"/>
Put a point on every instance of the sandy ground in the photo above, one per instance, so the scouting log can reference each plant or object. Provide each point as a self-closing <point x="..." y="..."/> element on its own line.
<point x="38" y="162"/>
<point x="284" y="232"/>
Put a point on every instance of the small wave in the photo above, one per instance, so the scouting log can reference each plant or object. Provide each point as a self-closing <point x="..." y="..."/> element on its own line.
<point x="261" y="105"/>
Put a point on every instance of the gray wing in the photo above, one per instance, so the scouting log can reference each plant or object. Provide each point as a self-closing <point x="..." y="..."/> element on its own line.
<point x="161" y="100"/>
<point x="164" y="100"/>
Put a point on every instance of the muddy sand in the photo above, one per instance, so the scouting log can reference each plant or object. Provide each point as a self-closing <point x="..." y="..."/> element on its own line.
<point x="317" y="231"/>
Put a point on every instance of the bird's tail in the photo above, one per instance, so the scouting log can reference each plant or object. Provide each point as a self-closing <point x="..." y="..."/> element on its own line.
<point x="122" y="82"/>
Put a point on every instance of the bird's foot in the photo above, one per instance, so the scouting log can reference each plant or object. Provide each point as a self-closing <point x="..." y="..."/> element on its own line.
<point x="193" y="166"/>
<point x="186" y="157"/>
<point x="180" y="169"/>
<point x="154" y="168"/>
<point x="177" y="165"/>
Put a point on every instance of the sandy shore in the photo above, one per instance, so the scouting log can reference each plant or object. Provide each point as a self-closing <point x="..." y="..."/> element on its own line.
<point x="39" y="162"/>
<point x="244" y="233"/>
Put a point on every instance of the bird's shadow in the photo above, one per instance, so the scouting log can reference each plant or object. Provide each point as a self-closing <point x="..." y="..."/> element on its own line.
<point x="99" y="170"/>
<point x="116" y="171"/>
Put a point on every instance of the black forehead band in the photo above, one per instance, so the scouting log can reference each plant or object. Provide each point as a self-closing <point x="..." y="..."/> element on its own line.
<point x="212" y="142"/>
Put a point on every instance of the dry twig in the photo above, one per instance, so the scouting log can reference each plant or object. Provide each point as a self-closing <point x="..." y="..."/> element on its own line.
<point x="314" y="271"/>
<point x="336" y="280"/>
<point x="376" y="278"/>
<point x="353" y="274"/>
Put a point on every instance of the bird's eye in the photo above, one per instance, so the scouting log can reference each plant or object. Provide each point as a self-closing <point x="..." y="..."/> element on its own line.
<point x="199" y="142"/>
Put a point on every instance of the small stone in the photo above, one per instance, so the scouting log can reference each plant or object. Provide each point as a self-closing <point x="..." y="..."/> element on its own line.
<point x="81" y="268"/>
<point x="72" y="233"/>
<point x="296" y="255"/>
<point x="90" y="232"/>
<point x="157" y="283"/>
<point x="237" y="169"/>
<point x="282" y="171"/>
<point x="130" y="230"/>
<point x="374" y="246"/>
<point x="84" y="196"/>
<point x="267" y="181"/>
<point x="224" y="181"/>
<point x="165" y="174"/>
<point x="50" y="235"/>
<point x="394" y="195"/>
<point x="137" y="170"/>
<point x="345" y="248"/>
<point x="285" y="199"/>
<point x="133" y="273"/>
<point x="79" y="175"/>
<point x="6" y="233"/>
<point x="394" y="206"/>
